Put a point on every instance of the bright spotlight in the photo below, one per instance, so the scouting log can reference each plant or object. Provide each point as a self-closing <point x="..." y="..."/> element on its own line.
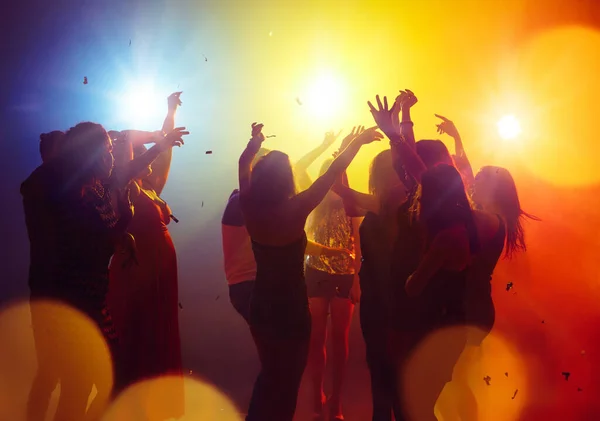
<point x="142" y="107"/>
<point x="326" y="96"/>
<point x="509" y="127"/>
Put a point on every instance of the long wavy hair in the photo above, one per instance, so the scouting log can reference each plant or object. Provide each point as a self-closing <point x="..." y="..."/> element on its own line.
<point x="84" y="155"/>
<point x="443" y="203"/>
<point x="272" y="179"/>
<point x="433" y="152"/>
<point x="505" y="198"/>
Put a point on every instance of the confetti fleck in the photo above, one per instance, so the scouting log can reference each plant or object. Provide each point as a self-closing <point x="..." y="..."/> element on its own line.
<point x="506" y="374"/>
<point x="566" y="374"/>
<point x="205" y="58"/>
<point x="271" y="33"/>
<point x="208" y="152"/>
<point x="174" y="219"/>
<point x="190" y="372"/>
<point x="202" y="205"/>
<point x="509" y="286"/>
<point x="271" y="135"/>
<point x="85" y="81"/>
<point x="180" y="306"/>
<point x="583" y="352"/>
<point x="579" y="389"/>
<point x="543" y="321"/>
<point x="487" y="380"/>
<point x="298" y="101"/>
<point x="217" y="299"/>
<point x="130" y="43"/>
<point x="515" y="394"/>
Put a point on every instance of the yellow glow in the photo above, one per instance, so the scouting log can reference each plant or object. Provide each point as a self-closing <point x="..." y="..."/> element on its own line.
<point x="509" y="127"/>
<point x="325" y="96"/>
<point x="153" y="400"/>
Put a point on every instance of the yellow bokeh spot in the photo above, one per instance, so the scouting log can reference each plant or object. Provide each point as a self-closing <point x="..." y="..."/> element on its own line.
<point x="559" y="81"/>
<point x="41" y="342"/>
<point x="182" y="398"/>
<point x="443" y="355"/>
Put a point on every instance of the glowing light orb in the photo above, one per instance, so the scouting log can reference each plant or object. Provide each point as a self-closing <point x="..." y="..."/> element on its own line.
<point x="509" y="127"/>
<point x="326" y="96"/>
<point x="142" y="107"/>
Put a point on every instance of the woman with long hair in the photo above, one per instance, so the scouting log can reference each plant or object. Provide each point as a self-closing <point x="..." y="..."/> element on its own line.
<point x="143" y="297"/>
<point x="437" y="289"/>
<point x="331" y="291"/>
<point x="378" y="232"/>
<point x="74" y="226"/>
<point x="279" y="315"/>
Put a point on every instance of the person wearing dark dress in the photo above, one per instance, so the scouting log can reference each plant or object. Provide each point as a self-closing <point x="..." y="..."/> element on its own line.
<point x="437" y="290"/>
<point x="378" y="231"/>
<point x="279" y="315"/>
<point x="73" y="225"/>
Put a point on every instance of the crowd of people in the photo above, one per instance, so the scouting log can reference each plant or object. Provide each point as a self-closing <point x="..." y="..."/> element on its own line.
<point x="417" y="251"/>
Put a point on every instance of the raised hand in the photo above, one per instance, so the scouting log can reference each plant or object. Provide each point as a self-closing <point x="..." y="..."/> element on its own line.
<point x="257" y="134"/>
<point x="174" y="101"/>
<point x="406" y="98"/>
<point x="446" y="126"/>
<point x="383" y="115"/>
<point x="368" y="136"/>
<point x="356" y="130"/>
<point x="330" y="138"/>
<point x="174" y="138"/>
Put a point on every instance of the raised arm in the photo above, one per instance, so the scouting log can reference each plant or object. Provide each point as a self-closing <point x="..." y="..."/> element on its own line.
<point x="301" y="167"/>
<point x="355" y="199"/>
<point x="134" y="167"/>
<point x="407" y="100"/>
<point x="162" y="165"/>
<point x="304" y="202"/>
<point x="402" y="150"/>
<point x="460" y="156"/>
<point x="245" y="162"/>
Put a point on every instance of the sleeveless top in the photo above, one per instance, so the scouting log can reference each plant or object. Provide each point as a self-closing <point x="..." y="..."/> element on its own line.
<point x="330" y="226"/>
<point x="279" y="300"/>
<point x="479" y="287"/>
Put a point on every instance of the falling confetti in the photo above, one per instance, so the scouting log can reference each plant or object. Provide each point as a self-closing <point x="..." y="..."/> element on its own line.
<point x="202" y="205"/>
<point x="487" y="380"/>
<point x="208" y="152"/>
<point x="583" y="352"/>
<point x="85" y="81"/>
<point x="298" y="101"/>
<point x="509" y="286"/>
<point x="271" y="135"/>
<point x="579" y="389"/>
<point x="174" y="219"/>
<point x="180" y="306"/>
<point x="506" y="374"/>
<point x="190" y="372"/>
<point x="543" y="321"/>
<point x="217" y="299"/>
<point x="515" y="395"/>
<point x="130" y="43"/>
<point x="205" y="58"/>
<point x="271" y="33"/>
<point x="566" y="374"/>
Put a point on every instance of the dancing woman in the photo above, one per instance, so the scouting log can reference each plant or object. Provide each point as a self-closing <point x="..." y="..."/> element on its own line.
<point x="279" y="315"/>
<point x="143" y="297"/>
<point x="499" y="218"/>
<point x="378" y="232"/>
<point x="73" y="228"/>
